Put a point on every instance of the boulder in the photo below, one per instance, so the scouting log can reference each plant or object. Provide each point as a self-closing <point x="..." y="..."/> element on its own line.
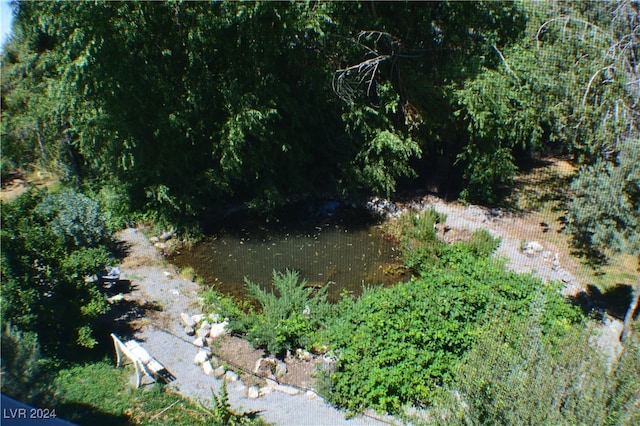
<point x="202" y="333"/>
<point x="165" y="236"/>
<point x="205" y="325"/>
<point x="281" y="369"/>
<point x="253" y="392"/>
<point x="534" y="247"/>
<point x="207" y="368"/>
<point x="265" y="367"/>
<point x="303" y="355"/>
<point x="266" y="390"/>
<point x="287" y="390"/>
<point x="199" y="342"/>
<point x="197" y="317"/>
<point x="215" y="361"/>
<point x="187" y="320"/>
<point x="189" y="331"/>
<point x="201" y="357"/>
<point x="230" y="376"/>
<point x="218" y="329"/>
<point x="219" y="372"/>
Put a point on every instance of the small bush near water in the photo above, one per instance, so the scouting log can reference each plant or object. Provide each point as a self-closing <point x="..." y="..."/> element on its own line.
<point x="290" y="314"/>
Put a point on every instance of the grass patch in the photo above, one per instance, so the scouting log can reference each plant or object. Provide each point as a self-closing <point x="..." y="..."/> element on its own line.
<point x="188" y="273"/>
<point x="100" y="394"/>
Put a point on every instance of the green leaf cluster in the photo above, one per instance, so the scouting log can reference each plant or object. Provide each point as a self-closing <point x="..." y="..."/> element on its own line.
<point x="397" y="346"/>
<point x="51" y="242"/>
<point x="289" y="316"/>
<point x="26" y="375"/>
<point x="513" y="375"/>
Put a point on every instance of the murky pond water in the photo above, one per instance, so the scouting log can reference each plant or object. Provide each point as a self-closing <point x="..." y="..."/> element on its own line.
<point x="343" y="250"/>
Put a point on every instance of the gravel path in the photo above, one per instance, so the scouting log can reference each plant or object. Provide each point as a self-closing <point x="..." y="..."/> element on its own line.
<point x="512" y="231"/>
<point x="162" y="335"/>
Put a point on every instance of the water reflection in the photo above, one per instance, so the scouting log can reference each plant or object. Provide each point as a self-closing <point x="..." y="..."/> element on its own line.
<point x="341" y="249"/>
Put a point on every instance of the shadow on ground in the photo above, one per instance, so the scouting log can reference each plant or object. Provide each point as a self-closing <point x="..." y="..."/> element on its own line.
<point x="86" y="414"/>
<point x="614" y="301"/>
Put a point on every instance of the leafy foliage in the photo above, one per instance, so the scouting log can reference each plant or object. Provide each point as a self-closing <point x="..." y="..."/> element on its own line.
<point x="514" y="375"/>
<point x="25" y="373"/>
<point x="48" y="249"/>
<point x="615" y="185"/>
<point x="222" y="414"/>
<point x="290" y="314"/>
<point x="396" y="346"/>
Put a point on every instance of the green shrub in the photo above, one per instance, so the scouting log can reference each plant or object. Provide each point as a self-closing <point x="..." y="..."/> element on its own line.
<point x="515" y="375"/>
<point x="290" y="316"/>
<point x="396" y="346"/>
<point x="74" y="217"/>
<point x="26" y="376"/>
<point x="221" y="412"/>
<point x="482" y="243"/>
<point x="418" y="239"/>
<point x="48" y="250"/>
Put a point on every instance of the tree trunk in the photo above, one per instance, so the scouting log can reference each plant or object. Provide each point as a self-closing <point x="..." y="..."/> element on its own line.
<point x="628" y="318"/>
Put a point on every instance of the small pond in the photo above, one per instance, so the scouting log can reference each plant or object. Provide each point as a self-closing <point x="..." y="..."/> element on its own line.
<point x="342" y="248"/>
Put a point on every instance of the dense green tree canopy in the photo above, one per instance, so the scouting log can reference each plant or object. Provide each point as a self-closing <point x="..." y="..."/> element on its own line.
<point x="177" y="109"/>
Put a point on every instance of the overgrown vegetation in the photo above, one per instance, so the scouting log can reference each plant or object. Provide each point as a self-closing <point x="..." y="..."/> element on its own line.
<point x="516" y="375"/>
<point x="169" y="112"/>
<point x="397" y="346"/>
<point x="51" y="242"/>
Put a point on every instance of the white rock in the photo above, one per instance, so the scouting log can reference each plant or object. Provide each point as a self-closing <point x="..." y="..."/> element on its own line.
<point x="167" y="273"/>
<point x="218" y="330"/>
<point x="205" y="325"/>
<point x="207" y="368"/>
<point x="281" y="368"/>
<point x="266" y="390"/>
<point x="202" y="333"/>
<point x="199" y="342"/>
<point x="154" y="239"/>
<point x="197" y="317"/>
<point x="187" y="320"/>
<point x="535" y="246"/>
<point x="201" y="357"/>
<point x="230" y="376"/>
<point x="303" y="355"/>
<point x="253" y="392"/>
<point x="311" y="394"/>
<point x="214" y="317"/>
<point x="189" y="331"/>
<point x="165" y="236"/>
<point x="287" y="390"/>
<point x="264" y="367"/>
<point x="219" y="372"/>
